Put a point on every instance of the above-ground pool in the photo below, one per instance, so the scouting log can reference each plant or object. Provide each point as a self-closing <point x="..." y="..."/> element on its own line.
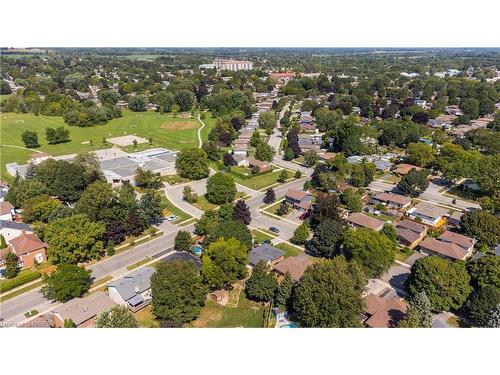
<point x="289" y="325"/>
<point x="197" y="250"/>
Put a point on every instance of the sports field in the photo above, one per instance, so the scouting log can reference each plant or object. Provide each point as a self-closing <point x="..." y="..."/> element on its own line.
<point x="165" y="131"/>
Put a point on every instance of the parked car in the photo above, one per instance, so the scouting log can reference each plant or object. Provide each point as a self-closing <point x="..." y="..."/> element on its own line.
<point x="305" y="215"/>
<point x="172" y="218"/>
<point x="274" y="229"/>
<point x="266" y="242"/>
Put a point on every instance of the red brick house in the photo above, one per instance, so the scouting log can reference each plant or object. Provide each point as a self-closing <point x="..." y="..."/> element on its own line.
<point x="28" y="248"/>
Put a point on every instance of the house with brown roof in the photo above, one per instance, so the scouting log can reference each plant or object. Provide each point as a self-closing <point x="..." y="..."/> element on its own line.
<point x="449" y="245"/>
<point x="38" y="157"/>
<point x="240" y="149"/>
<point x="258" y="165"/>
<point x="383" y="313"/>
<point x="427" y="213"/>
<point x="359" y="220"/>
<point x="82" y="311"/>
<point x="410" y="233"/>
<point x="403" y="169"/>
<point x="6" y="210"/>
<point x="392" y="200"/>
<point x="299" y="199"/>
<point x="29" y="249"/>
<point x="455" y="219"/>
<point x="296" y="266"/>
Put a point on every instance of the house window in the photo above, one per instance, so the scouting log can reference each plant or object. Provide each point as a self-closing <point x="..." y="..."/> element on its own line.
<point x="39" y="258"/>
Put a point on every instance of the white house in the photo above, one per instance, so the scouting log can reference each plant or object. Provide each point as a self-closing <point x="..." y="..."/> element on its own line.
<point x="11" y="229"/>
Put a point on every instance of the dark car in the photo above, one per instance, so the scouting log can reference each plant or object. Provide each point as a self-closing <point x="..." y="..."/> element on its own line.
<point x="266" y="242"/>
<point x="274" y="229"/>
<point x="305" y="215"/>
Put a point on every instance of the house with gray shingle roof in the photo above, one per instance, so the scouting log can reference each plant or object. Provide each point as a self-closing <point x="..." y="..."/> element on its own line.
<point x="269" y="254"/>
<point x="133" y="290"/>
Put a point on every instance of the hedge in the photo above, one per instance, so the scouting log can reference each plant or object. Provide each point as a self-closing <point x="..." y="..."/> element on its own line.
<point x="22" y="278"/>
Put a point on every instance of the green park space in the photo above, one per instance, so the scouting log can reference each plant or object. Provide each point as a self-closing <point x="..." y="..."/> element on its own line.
<point x="203" y="204"/>
<point x="164" y="130"/>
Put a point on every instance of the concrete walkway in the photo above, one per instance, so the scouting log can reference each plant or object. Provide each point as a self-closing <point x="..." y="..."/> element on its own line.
<point x="200" y="141"/>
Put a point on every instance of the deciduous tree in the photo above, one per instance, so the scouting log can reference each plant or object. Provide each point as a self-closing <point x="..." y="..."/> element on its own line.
<point x="67" y="282"/>
<point x="262" y="284"/>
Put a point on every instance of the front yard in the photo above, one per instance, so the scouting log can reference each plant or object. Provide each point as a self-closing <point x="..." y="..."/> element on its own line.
<point x="290" y="250"/>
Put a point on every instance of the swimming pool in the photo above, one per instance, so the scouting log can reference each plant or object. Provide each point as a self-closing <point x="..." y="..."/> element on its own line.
<point x="197" y="250"/>
<point x="289" y="325"/>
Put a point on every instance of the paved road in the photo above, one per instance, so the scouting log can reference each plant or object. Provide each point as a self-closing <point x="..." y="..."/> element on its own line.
<point x="12" y="311"/>
<point x="431" y="194"/>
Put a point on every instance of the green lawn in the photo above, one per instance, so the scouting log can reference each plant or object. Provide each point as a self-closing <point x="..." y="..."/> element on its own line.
<point x="260" y="237"/>
<point x="402" y="255"/>
<point x="169" y="206"/>
<point x="203" y="204"/>
<point x="165" y="131"/>
<point x="262" y="181"/>
<point x="274" y="207"/>
<point x="247" y="314"/>
<point x="210" y="122"/>
<point x="290" y="251"/>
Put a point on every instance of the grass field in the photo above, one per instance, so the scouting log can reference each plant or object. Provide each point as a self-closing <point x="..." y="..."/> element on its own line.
<point x="175" y="210"/>
<point x="247" y="314"/>
<point x="165" y="131"/>
<point x="260" y="237"/>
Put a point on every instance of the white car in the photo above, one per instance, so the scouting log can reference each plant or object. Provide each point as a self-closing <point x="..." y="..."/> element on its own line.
<point x="172" y="218"/>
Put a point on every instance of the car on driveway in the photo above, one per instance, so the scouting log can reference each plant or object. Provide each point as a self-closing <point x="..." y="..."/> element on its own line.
<point x="172" y="218"/>
<point x="305" y="215"/>
<point x="274" y="229"/>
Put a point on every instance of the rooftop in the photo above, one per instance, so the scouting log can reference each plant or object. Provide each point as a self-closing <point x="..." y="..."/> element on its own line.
<point x="134" y="283"/>
<point x="365" y="221"/>
<point x="26" y="243"/>
<point x="393" y="198"/>
<point x="448" y="249"/>
<point x="80" y="310"/>
<point x="264" y="252"/>
<point x="296" y="266"/>
<point x="430" y="210"/>
<point x="459" y="239"/>
<point x="384" y="313"/>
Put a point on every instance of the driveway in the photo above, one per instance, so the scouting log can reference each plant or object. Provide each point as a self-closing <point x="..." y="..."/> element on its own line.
<point x="396" y="277"/>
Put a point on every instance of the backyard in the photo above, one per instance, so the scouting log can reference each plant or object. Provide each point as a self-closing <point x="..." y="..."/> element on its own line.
<point x="248" y="314"/>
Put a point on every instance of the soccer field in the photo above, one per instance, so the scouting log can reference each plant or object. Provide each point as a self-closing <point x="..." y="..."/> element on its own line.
<point x="165" y="131"/>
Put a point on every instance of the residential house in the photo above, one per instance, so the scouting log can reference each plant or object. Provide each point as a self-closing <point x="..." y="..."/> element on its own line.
<point x="240" y="149"/>
<point x="455" y="218"/>
<point x="82" y="311"/>
<point x="295" y="266"/>
<point x="326" y="156"/>
<point x="392" y="200"/>
<point x="449" y="245"/>
<point x="12" y="229"/>
<point x="133" y="290"/>
<point x="383" y="165"/>
<point x="258" y="165"/>
<point x="242" y="161"/>
<point x="383" y="313"/>
<point x="299" y="200"/>
<point x="359" y="220"/>
<point x="266" y="252"/>
<point x="29" y="249"/>
<point x="6" y="211"/>
<point x="410" y="233"/>
<point x="403" y="169"/>
<point x="427" y="213"/>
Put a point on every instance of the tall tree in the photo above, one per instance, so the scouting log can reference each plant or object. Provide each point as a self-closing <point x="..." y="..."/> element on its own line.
<point x="192" y="163"/>
<point x="330" y="294"/>
<point x="372" y="250"/>
<point x="151" y="207"/>
<point x="183" y="241"/>
<point x="483" y="226"/>
<point x="284" y="291"/>
<point x="242" y="212"/>
<point x="327" y="239"/>
<point x="446" y="283"/>
<point x="67" y="282"/>
<point x="224" y="262"/>
<point x="262" y="284"/>
<point x="480" y="304"/>
<point x="414" y="183"/>
<point x="30" y="139"/>
<point x="419" y="313"/>
<point x="270" y="196"/>
<point x="75" y="239"/>
<point x="178" y="292"/>
<point x="11" y="265"/>
<point x="221" y="188"/>
<point x="116" y="317"/>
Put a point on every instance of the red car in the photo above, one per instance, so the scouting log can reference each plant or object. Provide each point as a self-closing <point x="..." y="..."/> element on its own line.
<point x="305" y="215"/>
